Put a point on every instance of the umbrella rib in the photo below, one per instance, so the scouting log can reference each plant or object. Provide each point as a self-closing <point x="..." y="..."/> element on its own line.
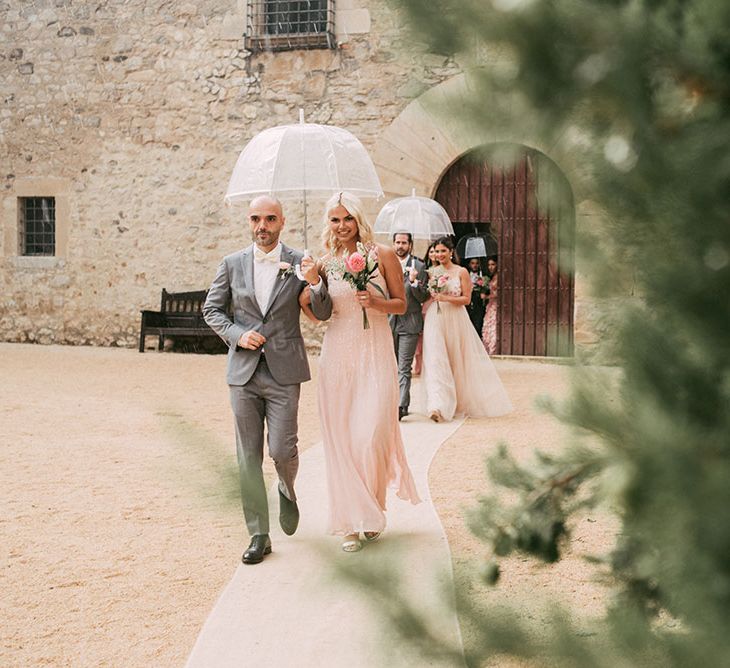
<point x="332" y="152"/>
<point x="276" y="164"/>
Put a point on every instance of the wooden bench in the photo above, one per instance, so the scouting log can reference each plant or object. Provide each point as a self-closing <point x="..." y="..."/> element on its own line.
<point x="180" y="315"/>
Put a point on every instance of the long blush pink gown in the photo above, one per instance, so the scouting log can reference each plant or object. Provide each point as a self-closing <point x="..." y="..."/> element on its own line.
<point x="358" y="408"/>
<point x="489" y="329"/>
<point x="460" y="378"/>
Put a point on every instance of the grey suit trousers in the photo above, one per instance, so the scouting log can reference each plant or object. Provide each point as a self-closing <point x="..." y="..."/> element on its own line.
<point x="405" y="349"/>
<point x="263" y="398"/>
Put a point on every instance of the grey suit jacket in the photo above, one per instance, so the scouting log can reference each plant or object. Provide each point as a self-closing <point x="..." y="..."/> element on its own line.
<point x="411" y="322"/>
<point x="233" y="285"/>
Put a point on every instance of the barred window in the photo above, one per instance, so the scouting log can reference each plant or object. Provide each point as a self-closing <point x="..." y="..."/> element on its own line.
<point x="37" y="225"/>
<point x="279" y="25"/>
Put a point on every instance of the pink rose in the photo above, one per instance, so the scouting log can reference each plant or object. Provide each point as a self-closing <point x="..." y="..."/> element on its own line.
<point x="284" y="266"/>
<point x="355" y="262"/>
<point x="442" y="280"/>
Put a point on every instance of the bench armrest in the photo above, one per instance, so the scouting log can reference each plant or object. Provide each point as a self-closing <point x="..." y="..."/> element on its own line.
<point x="153" y="319"/>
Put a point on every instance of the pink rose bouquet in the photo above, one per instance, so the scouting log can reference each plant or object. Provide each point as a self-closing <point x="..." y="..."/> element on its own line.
<point x="358" y="269"/>
<point x="480" y="284"/>
<point x="438" y="281"/>
<point x="355" y="263"/>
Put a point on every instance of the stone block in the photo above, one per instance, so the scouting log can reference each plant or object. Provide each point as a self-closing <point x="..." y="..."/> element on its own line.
<point x="187" y="9"/>
<point x="276" y="66"/>
<point x="321" y="59"/>
<point x="233" y="27"/>
<point x="142" y="76"/>
<point x="411" y="89"/>
<point x="314" y="86"/>
<point x="351" y="22"/>
<point x="432" y="60"/>
<point x="250" y="111"/>
<point x="122" y="44"/>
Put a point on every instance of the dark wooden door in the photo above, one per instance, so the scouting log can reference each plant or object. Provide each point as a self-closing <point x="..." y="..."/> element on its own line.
<point x="522" y="200"/>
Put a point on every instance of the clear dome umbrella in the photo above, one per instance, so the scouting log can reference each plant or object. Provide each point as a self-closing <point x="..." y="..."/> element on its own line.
<point x="475" y="247"/>
<point x="294" y="161"/>
<point x="423" y="217"/>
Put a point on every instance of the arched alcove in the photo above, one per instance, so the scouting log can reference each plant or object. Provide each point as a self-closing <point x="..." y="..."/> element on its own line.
<point x="519" y="201"/>
<point x="422" y="146"/>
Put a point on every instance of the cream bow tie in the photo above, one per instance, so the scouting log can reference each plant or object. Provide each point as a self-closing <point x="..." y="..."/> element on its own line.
<point x="260" y="256"/>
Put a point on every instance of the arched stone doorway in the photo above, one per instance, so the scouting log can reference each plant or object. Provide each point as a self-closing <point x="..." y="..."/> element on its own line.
<point x="520" y="202"/>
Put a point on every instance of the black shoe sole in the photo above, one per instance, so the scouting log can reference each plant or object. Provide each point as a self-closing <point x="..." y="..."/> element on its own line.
<point x="283" y="502"/>
<point x="289" y="533"/>
<point x="267" y="550"/>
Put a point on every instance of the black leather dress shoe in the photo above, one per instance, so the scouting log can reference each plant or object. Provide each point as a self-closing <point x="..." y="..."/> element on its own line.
<point x="288" y="515"/>
<point x="258" y="548"/>
<point x="402" y="412"/>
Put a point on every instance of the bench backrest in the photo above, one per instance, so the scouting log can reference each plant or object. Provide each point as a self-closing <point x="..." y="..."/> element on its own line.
<point x="183" y="302"/>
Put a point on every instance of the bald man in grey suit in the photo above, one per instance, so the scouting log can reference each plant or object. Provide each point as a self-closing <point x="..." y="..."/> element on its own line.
<point x="267" y="362"/>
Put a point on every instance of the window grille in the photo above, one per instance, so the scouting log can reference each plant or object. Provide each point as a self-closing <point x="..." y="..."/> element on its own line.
<point x="280" y="25"/>
<point x="37" y="225"/>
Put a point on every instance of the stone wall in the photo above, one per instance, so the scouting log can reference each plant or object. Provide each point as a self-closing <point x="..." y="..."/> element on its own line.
<point x="133" y="114"/>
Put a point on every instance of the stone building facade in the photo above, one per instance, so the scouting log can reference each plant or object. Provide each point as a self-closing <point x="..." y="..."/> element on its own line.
<point x="131" y="114"/>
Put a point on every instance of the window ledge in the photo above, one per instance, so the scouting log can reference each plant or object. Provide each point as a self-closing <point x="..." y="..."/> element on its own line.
<point x="288" y="42"/>
<point x="37" y="262"/>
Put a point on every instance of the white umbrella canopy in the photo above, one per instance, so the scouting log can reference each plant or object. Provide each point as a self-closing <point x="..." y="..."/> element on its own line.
<point x="319" y="160"/>
<point x="293" y="161"/>
<point x="423" y="217"/>
<point x="475" y="247"/>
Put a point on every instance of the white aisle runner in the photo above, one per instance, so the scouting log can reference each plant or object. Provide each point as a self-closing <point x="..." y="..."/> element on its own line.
<point x="289" y="611"/>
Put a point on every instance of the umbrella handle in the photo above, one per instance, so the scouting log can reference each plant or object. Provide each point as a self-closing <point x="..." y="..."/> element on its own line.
<point x="298" y="267"/>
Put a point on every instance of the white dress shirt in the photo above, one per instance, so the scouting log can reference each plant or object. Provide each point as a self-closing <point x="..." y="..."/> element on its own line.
<point x="265" y="271"/>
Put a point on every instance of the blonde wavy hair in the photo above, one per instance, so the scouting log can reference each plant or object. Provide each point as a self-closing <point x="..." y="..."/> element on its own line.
<point x="354" y="207"/>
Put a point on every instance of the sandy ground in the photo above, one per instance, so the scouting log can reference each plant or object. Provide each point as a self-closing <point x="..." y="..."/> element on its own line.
<point x="120" y="523"/>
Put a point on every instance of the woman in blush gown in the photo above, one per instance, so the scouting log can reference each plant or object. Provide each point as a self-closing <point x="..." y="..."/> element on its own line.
<point x="460" y="378"/>
<point x="358" y="383"/>
<point x="489" y="330"/>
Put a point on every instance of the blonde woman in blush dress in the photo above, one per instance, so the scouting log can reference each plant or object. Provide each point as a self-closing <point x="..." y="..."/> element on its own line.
<point x="460" y="378"/>
<point x="358" y="384"/>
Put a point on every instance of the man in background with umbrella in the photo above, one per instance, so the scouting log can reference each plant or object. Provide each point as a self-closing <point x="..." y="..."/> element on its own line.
<point x="480" y="290"/>
<point x="407" y="327"/>
<point x="267" y="361"/>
